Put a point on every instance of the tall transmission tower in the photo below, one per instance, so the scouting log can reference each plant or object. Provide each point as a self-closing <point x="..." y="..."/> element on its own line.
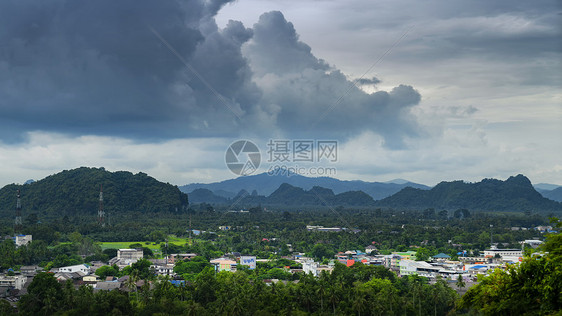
<point x="101" y="212"/>
<point x="18" y="223"/>
<point x="190" y="230"/>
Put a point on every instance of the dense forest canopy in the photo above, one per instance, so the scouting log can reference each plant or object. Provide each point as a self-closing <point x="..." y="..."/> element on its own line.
<point x="77" y="191"/>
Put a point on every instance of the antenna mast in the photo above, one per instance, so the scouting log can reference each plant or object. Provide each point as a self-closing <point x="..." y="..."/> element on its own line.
<point x="101" y="212"/>
<point x="18" y="223"/>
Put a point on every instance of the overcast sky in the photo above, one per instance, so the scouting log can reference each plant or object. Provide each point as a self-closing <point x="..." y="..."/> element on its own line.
<point x="425" y="91"/>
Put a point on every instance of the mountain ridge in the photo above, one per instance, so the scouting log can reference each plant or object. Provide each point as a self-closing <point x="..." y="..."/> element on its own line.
<point x="266" y="184"/>
<point x="514" y="194"/>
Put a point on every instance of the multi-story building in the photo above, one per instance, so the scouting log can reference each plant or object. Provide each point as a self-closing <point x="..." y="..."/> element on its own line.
<point x="126" y="257"/>
<point x="130" y="254"/>
<point x="13" y="281"/>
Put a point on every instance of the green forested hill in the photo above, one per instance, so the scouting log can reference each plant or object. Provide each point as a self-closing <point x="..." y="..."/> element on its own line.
<point x="77" y="191"/>
<point x="513" y="194"/>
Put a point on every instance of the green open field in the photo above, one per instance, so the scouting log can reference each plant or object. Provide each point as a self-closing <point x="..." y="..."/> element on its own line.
<point x="125" y="244"/>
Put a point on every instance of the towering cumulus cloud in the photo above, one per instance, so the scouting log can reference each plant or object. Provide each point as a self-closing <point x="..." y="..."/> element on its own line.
<point x="105" y="68"/>
<point x="310" y="95"/>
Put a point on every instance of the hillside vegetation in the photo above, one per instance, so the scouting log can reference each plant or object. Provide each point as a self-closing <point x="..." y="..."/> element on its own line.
<point x="513" y="194"/>
<point x="77" y="191"/>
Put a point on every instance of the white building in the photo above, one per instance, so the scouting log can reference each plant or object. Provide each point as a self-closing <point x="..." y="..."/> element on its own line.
<point x="130" y="254"/>
<point x="532" y="242"/>
<point x="167" y="269"/>
<point x="309" y="266"/>
<point x="30" y="270"/>
<point x="14" y="281"/>
<point x="84" y="268"/>
<point x="22" y="240"/>
<point x="424" y="269"/>
<point x="491" y="253"/>
<point x="370" y="248"/>
<point x="126" y="257"/>
<point x="421" y="268"/>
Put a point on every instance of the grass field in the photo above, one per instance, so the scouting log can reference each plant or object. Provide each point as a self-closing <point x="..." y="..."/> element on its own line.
<point x="125" y="244"/>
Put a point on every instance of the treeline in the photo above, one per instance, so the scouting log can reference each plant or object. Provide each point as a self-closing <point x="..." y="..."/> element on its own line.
<point x="262" y="233"/>
<point x="363" y="290"/>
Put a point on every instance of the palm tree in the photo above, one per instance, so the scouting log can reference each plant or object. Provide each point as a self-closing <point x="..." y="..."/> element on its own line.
<point x="131" y="282"/>
<point x="321" y="291"/>
<point x="360" y="301"/>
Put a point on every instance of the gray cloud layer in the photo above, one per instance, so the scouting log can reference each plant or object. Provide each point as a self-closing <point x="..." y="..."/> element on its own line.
<point x="94" y="67"/>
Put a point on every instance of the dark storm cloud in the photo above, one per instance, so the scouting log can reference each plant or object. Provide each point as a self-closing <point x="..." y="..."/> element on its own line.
<point x="95" y="67"/>
<point x="104" y="68"/>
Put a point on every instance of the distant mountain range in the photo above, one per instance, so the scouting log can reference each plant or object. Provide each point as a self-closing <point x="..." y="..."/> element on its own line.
<point x="287" y="195"/>
<point x="545" y="186"/>
<point x="265" y="184"/>
<point x="550" y="191"/>
<point x="514" y="194"/>
<point x="77" y="190"/>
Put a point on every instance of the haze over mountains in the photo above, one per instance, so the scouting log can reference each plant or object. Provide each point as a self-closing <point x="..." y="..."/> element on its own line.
<point x="514" y="194"/>
<point x="554" y="194"/>
<point x="265" y="184"/>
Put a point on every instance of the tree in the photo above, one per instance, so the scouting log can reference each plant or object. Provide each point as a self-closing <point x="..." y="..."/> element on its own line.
<point x="157" y="236"/>
<point x="142" y="269"/>
<point x="195" y="265"/>
<point x="75" y="237"/>
<point x="422" y="254"/>
<point x="7" y="251"/>
<point x="105" y="271"/>
<point x="131" y="282"/>
<point x="320" y="251"/>
<point x="360" y="301"/>
<point x="6" y="309"/>
<point x="44" y="295"/>
<point x="460" y="282"/>
<point x="110" y="252"/>
<point x="31" y="219"/>
<point x="462" y="213"/>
